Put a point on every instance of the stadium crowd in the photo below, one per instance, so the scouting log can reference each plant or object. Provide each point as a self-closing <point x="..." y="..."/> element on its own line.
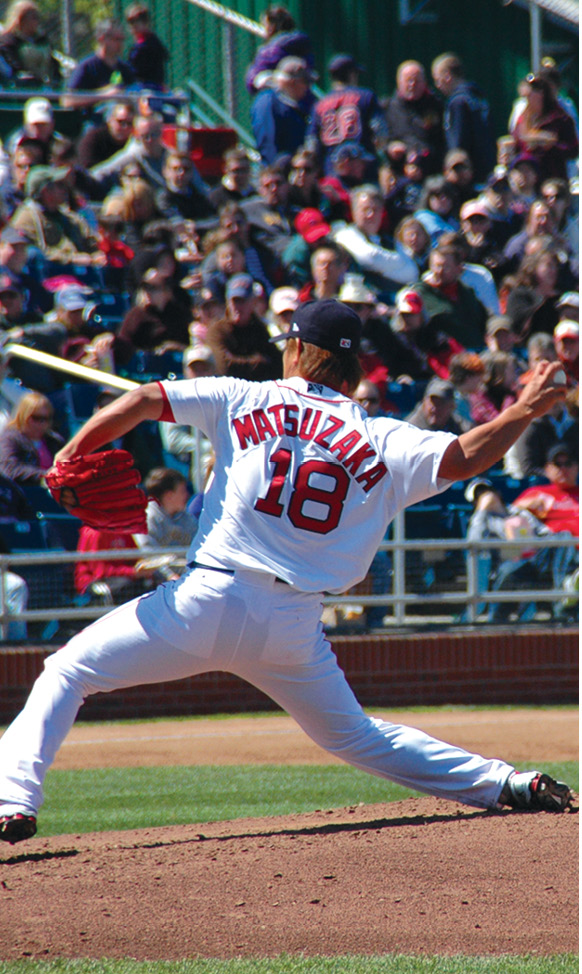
<point x="458" y="250"/>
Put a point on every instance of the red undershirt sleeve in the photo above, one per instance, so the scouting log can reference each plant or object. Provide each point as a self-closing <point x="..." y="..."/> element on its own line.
<point x="167" y="414"/>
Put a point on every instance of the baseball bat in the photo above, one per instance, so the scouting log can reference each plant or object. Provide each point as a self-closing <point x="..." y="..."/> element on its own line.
<point x="72" y="368"/>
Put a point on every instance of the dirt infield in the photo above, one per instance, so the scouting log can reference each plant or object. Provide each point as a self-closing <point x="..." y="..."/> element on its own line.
<point x="419" y="876"/>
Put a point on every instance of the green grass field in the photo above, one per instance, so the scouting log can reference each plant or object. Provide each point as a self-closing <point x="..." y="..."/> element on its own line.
<point x="397" y="964"/>
<point x="132" y="798"/>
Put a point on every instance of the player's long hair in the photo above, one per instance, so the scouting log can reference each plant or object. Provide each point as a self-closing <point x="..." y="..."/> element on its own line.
<point x="319" y="365"/>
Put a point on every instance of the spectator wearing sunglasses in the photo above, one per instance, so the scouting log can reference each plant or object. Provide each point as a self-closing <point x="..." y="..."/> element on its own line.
<point x="28" y="443"/>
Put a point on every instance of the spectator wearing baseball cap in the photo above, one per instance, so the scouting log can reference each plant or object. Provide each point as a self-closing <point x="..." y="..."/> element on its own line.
<point x="436" y="408"/>
<point x="556" y="503"/>
<point x="568" y="305"/>
<point x="566" y="341"/>
<point x="240" y="340"/>
<point x="312" y="230"/>
<point x="280" y="115"/>
<point x="283" y="302"/>
<point x="476" y="227"/>
<point x="421" y="350"/>
<point x="38" y="125"/>
<point x="499" y="336"/>
<point x="57" y="232"/>
<point x="371" y="132"/>
<point x="499" y="201"/>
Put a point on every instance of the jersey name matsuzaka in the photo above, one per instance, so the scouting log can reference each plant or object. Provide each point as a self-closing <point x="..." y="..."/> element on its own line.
<point x="304" y="484"/>
<point x="350" y="448"/>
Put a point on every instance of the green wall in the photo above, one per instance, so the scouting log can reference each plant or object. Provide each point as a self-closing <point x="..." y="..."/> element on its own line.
<point x="492" y="39"/>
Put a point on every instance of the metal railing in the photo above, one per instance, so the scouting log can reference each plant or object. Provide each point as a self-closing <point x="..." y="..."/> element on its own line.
<point x="469" y="593"/>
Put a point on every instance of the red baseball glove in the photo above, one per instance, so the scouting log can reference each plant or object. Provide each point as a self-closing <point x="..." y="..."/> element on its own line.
<point x="101" y="489"/>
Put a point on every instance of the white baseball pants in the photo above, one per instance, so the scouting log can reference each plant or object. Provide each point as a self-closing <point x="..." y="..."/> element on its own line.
<point x="258" y="628"/>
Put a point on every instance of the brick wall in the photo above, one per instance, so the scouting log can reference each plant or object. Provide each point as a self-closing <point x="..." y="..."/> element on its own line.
<point x="491" y="667"/>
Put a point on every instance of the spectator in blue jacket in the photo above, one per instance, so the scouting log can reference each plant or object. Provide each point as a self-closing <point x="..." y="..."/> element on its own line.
<point x="280" y="115"/>
<point x="467" y="118"/>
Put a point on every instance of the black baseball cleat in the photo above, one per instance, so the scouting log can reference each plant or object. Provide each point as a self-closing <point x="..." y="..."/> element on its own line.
<point x="17" y="827"/>
<point x="536" y="792"/>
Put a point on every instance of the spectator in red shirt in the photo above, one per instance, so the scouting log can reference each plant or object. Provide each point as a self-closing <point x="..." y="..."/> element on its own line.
<point x="556" y="503"/>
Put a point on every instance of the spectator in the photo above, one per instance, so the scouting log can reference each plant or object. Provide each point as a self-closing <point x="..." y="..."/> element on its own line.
<point x="521" y="304"/>
<point x="402" y="190"/>
<point x="382" y="268"/>
<point x="476" y="227"/>
<point x="520" y="568"/>
<point x="107" y="581"/>
<point x="348" y="164"/>
<point x="39" y="126"/>
<point x="466" y="371"/>
<point x="102" y="141"/>
<point x="568" y="305"/>
<point x="467" y="120"/>
<point x="415" y="115"/>
<point x="557" y="502"/>
<point x="327" y="269"/>
<point x="230" y="260"/>
<point x="498" y="199"/>
<point x="312" y="229"/>
<point x="145" y="149"/>
<point x="117" y="252"/>
<point x="348" y="113"/>
<point x="13" y="187"/>
<point x="240" y="341"/>
<point x="147" y="56"/>
<point x="539" y="347"/>
<point x="282" y="303"/>
<point x="452" y="306"/>
<point x="304" y="192"/>
<point x="190" y="447"/>
<point x="235" y="184"/>
<point x="566" y="340"/>
<point x="436" y="408"/>
<point x="157" y="322"/>
<point x="25" y="51"/>
<point x="283" y="39"/>
<point x="437" y="208"/>
<point x="28" y="442"/>
<point x="538" y="223"/>
<point x="269" y="217"/>
<point x="58" y="233"/>
<point x="180" y="199"/>
<point x="421" y="351"/>
<point x="102" y="73"/>
<point x="527" y="456"/>
<point x="135" y="205"/>
<point x="234" y="225"/>
<point x="280" y="115"/>
<point x="556" y="193"/>
<point x="169" y="525"/>
<point x="412" y="239"/>
<point x="499" y="335"/>
<point x="12" y="311"/>
<point x="13" y="265"/>
<point x="540" y="273"/>
<point x="524" y="179"/>
<point x="459" y="173"/>
<point x="545" y="130"/>
<point x="499" y="387"/>
<point x="209" y="307"/>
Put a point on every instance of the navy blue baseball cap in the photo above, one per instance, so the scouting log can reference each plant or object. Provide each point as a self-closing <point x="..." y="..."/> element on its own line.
<point x="329" y="324"/>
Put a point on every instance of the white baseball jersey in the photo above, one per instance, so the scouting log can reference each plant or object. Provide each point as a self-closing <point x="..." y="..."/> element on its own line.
<point x="304" y="483"/>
